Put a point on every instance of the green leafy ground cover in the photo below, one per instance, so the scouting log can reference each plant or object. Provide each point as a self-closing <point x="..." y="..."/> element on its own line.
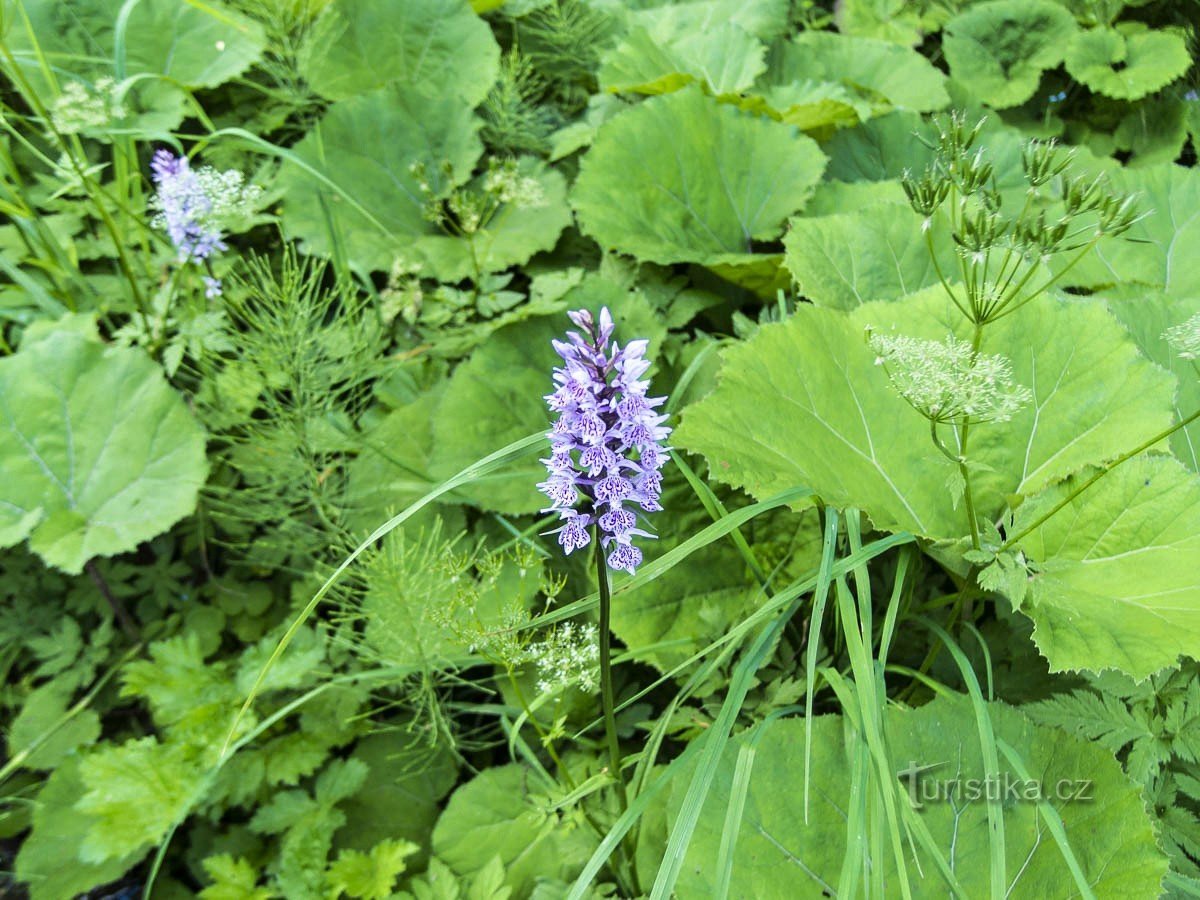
<point x="280" y="613"/>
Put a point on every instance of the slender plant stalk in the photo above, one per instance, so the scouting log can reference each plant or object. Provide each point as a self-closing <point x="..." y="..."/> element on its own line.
<point x="119" y="611"/>
<point x="606" y="687"/>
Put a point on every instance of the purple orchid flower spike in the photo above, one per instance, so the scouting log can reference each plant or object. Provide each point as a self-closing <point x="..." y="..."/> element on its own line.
<point x="607" y="450"/>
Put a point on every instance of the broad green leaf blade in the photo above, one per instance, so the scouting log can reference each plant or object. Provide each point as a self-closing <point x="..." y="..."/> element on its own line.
<point x="197" y="45"/>
<point x="1115" y="583"/>
<point x="360" y="45"/>
<point x="999" y="49"/>
<point x="725" y="59"/>
<point x="876" y="252"/>
<point x="99" y="453"/>
<point x="684" y="178"/>
<point x="779" y="857"/>
<point x="366" y="147"/>
<point x="59" y="829"/>
<point x="500" y="813"/>
<point x="1158" y="250"/>
<point x="882" y="73"/>
<point x="1126" y="66"/>
<point x="804" y="403"/>
<point x="1146" y="314"/>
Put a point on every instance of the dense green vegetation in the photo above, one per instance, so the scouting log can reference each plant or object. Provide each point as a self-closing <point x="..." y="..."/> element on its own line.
<point x="283" y="611"/>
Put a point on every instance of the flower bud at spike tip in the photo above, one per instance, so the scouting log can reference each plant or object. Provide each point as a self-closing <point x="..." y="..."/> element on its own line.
<point x="607" y="444"/>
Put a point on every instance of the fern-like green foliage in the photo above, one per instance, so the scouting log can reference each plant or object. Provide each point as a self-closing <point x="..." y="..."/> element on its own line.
<point x="514" y="121"/>
<point x="1153" y="727"/>
<point x="565" y="40"/>
<point x="283" y="406"/>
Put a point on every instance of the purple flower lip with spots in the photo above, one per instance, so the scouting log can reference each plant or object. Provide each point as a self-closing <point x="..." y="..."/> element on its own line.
<point x="606" y="447"/>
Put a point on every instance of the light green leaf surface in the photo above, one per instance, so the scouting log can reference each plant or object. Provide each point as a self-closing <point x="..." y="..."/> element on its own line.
<point x="880" y="72"/>
<point x="724" y="59"/>
<point x="780" y="857"/>
<point x="1116" y="582"/>
<point x="875" y="252"/>
<point x="99" y="452"/>
<point x="1158" y="250"/>
<point x="40" y="729"/>
<point x="360" y="45"/>
<point x="48" y="860"/>
<point x="1126" y="66"/>
<point x="502" y="811"/>
<point x="365" y="146"/>
<point x="804" y="403"/>
<point x="197" y="45"/>
<point x="729" y="179"/>
<point x="1146" y="313"/>
<point x="998" y="50"/>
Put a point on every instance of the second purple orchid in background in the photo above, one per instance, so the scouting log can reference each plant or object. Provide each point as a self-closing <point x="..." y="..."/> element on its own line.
<point x="607" y="452"/>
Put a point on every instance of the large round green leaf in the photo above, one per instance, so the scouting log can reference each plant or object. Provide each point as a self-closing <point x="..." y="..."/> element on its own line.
<point x="998" y="50"/>
<point x="781" y="856"/>
<point x="195" y="44"/>
<point x="874" y="252"/>
<point x="98" y="452"/>
<point x="1127" y="66"/>
<point x="1159" y="249"/>
<point x="1116" y="582"/>
<point x="879" y="71"/>
<point x="802" y="403"/>
<point x="683" y="178"/>
<point x="368" y="200"/>
<point x="359" y="45"/>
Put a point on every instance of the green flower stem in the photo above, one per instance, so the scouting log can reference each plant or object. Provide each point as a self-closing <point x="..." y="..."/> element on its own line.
<point x="606" y="687"/>
<point x="1097" y="475"/>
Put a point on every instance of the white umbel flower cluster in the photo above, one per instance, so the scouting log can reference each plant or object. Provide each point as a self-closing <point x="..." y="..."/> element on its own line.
<point x="1185" y="338"/>
<point x="569" y="655"/>
<point x="80" y="108"/>
<point x="946" y="381"/>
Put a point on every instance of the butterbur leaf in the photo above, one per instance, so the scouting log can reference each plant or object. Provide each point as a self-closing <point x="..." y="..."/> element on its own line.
<point x="873" y="253"/>
<point x="360" y="45"/>
<point x="998" y="50"/>
<point x="496" y="813"/>
<point x="724" y="59"/>
<point x="1126" y="66"/>
<point x="99" y="453"/>
<point x="813" y="382"/>
<point x="196" y="45"/>
<point x="881" y="73"/>
<point x="729" y="179"/>
<point x="1117" y="584"/>
<point x="935" y="748"/>
<point x="366" y="147"/>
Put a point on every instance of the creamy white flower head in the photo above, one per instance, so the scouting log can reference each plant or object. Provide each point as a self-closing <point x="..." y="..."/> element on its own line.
<point x="80" y="108"/>
<point x="1185" y="338"/>
<point x="569" y="655"/>
<point x="946" y="381"/>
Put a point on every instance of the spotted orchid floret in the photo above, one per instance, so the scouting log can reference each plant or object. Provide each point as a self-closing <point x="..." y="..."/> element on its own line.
<point x="606" y="447"/>
<point x="193" y="205"/>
